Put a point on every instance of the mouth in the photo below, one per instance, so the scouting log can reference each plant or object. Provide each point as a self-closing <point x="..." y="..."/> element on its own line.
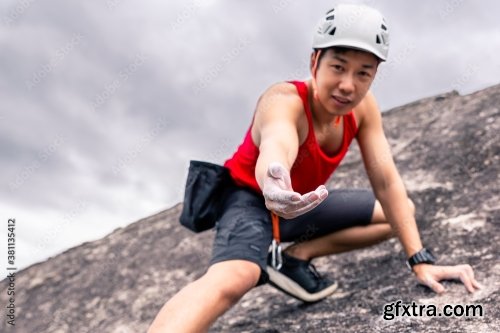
<point x="341" y="101"/>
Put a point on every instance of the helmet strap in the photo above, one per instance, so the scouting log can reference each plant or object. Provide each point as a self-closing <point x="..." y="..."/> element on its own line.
<point x="314" y="70"/>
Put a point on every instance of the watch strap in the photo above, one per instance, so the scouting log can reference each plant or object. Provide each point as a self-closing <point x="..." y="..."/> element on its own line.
<point x="423" y="256"/>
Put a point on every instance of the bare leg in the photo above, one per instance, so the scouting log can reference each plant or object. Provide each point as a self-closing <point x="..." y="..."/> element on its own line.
<point x="348" y="239"/>
<point x="199" y="304"/>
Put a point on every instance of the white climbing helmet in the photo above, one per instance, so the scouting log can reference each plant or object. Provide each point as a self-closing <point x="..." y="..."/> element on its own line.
<point x="354" y="26"/>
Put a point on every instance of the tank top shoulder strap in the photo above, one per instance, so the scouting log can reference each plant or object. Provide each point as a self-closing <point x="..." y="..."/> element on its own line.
<point x="304" y="96"/>
<point x="351" y="123"/>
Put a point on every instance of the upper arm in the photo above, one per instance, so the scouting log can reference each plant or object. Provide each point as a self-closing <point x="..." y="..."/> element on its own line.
<point x="375" y="149"/>
<point x="275" y="128"/>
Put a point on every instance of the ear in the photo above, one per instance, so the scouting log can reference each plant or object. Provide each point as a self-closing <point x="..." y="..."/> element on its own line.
<point x="311" y="62"/>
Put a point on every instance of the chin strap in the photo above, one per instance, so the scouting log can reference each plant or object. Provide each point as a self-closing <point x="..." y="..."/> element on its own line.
<point x="314" y="70"/>
<point x="276" y="258"/>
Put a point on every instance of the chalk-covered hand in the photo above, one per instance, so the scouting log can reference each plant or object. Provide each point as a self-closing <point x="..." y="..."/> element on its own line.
<point x="282" y="199"/>
<point x="430" y="276"/>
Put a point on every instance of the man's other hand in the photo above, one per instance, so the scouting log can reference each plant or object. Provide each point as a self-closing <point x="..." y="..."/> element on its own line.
<point x="430" y="275"/>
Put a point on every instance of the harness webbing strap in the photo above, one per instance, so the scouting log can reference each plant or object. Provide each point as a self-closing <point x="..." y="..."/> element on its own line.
<point x="276" y="258"/>
<point x="276" y="227"/>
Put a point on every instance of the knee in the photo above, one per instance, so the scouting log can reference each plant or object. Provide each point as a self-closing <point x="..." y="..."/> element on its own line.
<point x="234" y="280"/>
<point x="234" y="286"/>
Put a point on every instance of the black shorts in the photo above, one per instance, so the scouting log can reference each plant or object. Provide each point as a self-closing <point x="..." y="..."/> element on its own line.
<point x="244" y="230"/>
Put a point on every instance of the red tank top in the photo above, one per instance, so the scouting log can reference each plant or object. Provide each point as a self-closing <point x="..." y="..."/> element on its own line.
<point x="312" y="166"/>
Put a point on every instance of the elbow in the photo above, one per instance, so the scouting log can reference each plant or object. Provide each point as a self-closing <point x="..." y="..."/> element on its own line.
<point x="386" y="184"/>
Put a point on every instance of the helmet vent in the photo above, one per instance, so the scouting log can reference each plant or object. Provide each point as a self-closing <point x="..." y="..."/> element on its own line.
<point x="330" y="11"/>
<point x="383" y="27"/>
<point x="384" y="41"/>
<point x="329" y="18"/>
<point x="332" y="32"/>
<point x="378" y="39"/>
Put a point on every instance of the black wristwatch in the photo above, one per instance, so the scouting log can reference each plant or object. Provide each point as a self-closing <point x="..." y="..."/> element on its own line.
<point x="423" y="256"/>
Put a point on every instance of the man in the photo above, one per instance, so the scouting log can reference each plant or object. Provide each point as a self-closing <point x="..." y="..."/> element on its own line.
<point x="299" y="135"/>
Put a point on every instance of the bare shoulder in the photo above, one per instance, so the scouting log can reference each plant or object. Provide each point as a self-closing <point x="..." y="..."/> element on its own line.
<point x="282" y="94"/>
<point x="280" y="104"/>
<point x="367" y="111"/>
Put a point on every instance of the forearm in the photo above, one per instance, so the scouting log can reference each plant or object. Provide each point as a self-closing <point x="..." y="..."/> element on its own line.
<point x="394" y="201"/>
<point x="272" y="151"/>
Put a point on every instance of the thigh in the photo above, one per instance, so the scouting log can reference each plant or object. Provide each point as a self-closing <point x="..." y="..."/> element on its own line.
<point x="343" y="208"/>
<point x="243" y="231"/>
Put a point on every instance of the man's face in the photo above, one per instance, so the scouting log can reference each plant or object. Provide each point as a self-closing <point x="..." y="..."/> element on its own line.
<point x="343" y="79"/>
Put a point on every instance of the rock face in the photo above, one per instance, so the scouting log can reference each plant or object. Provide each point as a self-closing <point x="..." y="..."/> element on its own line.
<point x="447" y="150"/>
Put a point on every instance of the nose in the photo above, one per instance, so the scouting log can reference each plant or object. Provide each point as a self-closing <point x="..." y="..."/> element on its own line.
<point x="346" y="85"/>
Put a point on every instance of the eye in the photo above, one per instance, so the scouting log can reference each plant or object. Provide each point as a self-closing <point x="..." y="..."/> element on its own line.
<point x="364" y="74"/>
<point x="337" y="68"/>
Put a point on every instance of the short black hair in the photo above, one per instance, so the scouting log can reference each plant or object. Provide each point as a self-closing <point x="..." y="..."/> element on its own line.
<point x="339" y="50"/>
<point x="336" y="49"/>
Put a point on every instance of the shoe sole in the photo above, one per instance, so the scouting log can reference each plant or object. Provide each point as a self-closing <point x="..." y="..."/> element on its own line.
<point x="292" y="288"/>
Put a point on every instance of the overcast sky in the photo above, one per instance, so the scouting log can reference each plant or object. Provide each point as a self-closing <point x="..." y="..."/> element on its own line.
<point x="103" y="103"/>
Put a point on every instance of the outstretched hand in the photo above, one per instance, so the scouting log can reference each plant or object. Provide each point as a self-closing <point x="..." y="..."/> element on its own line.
<point x="282" y="199"/>
<point x="430" y="275"/>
